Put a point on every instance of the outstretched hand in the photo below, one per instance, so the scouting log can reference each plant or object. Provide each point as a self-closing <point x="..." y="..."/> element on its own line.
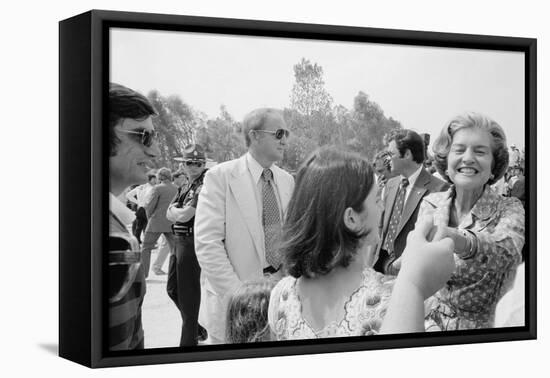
<point x="427" y="264"/>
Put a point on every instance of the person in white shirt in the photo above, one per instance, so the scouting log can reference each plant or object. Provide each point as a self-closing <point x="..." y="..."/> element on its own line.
<point x="139" y="195"/>
<point x="239" y="217"/>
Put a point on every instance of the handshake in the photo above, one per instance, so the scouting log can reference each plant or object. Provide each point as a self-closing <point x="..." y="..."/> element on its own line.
<point x="428" y="260"/>
<point x="426" y="265"/>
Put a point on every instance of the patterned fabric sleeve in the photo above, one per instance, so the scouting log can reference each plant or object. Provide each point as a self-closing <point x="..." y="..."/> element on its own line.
<point x="376" y="303"/>
<point x="276" y="314"/>
<point x="499" y="247"/>
<point x="273" y="307"/>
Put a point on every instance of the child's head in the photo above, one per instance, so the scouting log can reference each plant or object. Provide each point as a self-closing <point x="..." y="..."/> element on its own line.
<point x="247" y="312"/>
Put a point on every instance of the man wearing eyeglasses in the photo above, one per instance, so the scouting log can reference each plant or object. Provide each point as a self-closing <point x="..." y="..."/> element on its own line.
<point x="239" y="217"/>
<point x="132" y="147"/>
<point x="183" y="284"/>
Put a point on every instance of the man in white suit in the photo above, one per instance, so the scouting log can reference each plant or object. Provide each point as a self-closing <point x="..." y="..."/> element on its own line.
<point x="239" y="215"/>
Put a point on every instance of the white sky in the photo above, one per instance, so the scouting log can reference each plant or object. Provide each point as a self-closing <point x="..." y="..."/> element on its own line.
<point x="422" y="87"/>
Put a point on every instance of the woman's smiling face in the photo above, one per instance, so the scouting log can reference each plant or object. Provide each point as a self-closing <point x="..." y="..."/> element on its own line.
<point x="470" y="158"/>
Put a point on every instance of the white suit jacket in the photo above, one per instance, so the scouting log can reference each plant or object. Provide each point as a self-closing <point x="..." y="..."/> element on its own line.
<point x="228" y="236"/>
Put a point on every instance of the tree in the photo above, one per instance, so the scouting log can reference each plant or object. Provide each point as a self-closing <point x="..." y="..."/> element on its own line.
<point x="310" y="117"/>
<point x="221" y="138"/>
<point x="314" y="121"/>
<point x="175" y="124"/>
<point x="370" y="126"/>
<point x="299" y="144"/>
<point x="308" y="93"/>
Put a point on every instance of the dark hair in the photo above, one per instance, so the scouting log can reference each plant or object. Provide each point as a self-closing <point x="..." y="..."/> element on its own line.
<point x="408" y="139"/>
<point x="315" y="238"/>
<point x="442" y="144"/>
<point x="125" y="103"/>
<point x="247" y="312"/>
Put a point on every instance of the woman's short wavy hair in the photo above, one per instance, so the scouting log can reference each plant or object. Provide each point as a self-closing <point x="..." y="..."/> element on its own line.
<point x="315" y="238"/>
<point x="442" y="144"/>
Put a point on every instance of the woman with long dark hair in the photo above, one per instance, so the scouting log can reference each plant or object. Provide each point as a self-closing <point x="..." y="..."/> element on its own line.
<point x="329" y="237"/>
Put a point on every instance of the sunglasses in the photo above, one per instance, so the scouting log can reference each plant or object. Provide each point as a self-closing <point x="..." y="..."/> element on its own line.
<point x="147" y="136"/>
<point x="190" y="163"/>
<point x="279" y="133"/>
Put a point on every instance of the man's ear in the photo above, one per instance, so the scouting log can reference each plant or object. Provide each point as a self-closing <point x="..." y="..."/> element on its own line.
<point x="253" y="135"/>
<point x="408" y="154"/>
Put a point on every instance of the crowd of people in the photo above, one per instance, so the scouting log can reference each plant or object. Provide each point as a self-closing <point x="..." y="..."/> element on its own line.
<point x="343" y="247"/>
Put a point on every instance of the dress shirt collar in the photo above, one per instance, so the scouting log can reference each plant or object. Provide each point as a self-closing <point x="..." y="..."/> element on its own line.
<point x="255" y="168"/>
<point x="412" y="178"/>
<point x="125" y="215"/>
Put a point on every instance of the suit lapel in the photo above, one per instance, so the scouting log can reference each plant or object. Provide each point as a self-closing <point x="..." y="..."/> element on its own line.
<point x="245" y="197"/>
<point x="283" y="189"/>
<point x="417" y="192"/>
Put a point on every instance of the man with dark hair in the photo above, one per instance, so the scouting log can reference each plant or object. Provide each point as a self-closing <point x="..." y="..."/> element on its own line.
<point x="402" y="197"/>
<point x="239" y="217"/>
<point x="132" y="147"/>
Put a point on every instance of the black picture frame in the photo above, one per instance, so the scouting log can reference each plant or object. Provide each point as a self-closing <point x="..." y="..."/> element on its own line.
<point x="83" y="84"/>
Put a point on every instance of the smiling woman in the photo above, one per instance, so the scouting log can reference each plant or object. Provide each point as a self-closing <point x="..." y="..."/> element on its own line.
<point x="262" y="208"/>
<point x="487" y="229"/>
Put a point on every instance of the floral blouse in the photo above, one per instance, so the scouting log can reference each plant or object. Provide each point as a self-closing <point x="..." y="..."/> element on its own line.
<point x="469" y="299"/>
<point x="363" y="314"/>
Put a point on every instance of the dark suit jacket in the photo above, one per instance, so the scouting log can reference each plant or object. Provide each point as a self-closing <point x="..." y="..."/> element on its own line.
<point x="160" y="198"/>
<point x="424" y="185"/>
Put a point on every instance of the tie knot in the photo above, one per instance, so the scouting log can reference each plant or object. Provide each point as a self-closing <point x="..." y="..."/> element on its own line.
<point x="267" y="175"/>
<point x="404" y="182"/>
